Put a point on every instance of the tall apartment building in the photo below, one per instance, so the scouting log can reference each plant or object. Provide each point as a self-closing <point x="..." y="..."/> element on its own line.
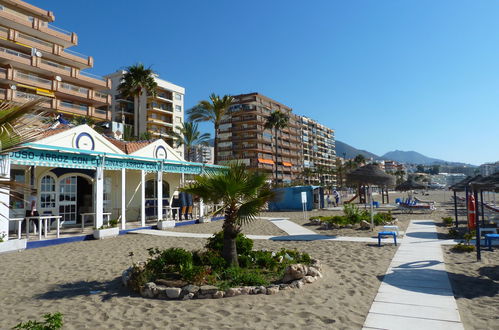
<point x="159" y="115"/>
<point x="319" y="151"/>
<point x="243" y="137"/>
<point x="35" y="61"/>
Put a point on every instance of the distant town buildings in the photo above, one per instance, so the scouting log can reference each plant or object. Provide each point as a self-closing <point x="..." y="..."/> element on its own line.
<point x="202" y="154"/>
<point x="158" y="115"/>
<point x="489" y="168"/>
<point x="447" y="179"/>
<point x="36" y="62"/>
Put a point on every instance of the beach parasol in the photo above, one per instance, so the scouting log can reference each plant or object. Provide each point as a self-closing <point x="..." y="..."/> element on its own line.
<point x="371" y="175"/>
<point x="410" y="185"/>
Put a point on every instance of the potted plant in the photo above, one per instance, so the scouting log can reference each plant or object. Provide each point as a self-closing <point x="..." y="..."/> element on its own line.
<point x="109" y="231"/>
<point x="11" y="245"/>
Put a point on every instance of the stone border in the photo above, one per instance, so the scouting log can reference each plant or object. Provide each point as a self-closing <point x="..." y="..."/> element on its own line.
<point x="296" y="276"/>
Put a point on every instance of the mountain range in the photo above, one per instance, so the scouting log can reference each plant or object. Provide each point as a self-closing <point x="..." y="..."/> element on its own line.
<point x="405" y="157"/>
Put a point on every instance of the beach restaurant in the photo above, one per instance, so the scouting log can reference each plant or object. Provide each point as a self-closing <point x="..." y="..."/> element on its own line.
<point x="77" y="172"/>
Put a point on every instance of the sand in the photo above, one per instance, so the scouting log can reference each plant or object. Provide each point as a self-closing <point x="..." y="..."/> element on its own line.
<point x="256" y="227"/>
<point x="61" y="278"/>
<point x="476" y="287"/>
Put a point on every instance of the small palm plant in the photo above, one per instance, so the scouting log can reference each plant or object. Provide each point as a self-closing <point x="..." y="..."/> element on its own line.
<point x="242" y="194"/>
<point x="189" y="136"/>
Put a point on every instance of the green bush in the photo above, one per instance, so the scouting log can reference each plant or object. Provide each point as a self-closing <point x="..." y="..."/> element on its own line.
<point x="354" y="215"/>
<point x="382" y="218"/>
<point x="170" y="260"/>
<point x="460" y="247"/>
<point x="454" y="233"/>
<point x="198" y="275"/>
<point x="51" y="322"/>
<point x="236" y="276"/>
<point x="244" y="245"/>
<point x="447" y="221"/>
<point x="209" y="257"/>
<point x="113" y="223"/>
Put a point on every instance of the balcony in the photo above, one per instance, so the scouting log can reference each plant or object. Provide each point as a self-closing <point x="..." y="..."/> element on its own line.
<point x="31" y="79"/>
<point x="3" y="73"/>
<point x="97" y="81"/>
<point x="54" y="67"/>
<point x="73" y="90"/>
<point x="87" y="61"/>
<point x="159" y="121"/>
<point x="102" y="97"/>
<point x="23" y="97"/>
<point x="74" y="108"/>
<point x="7" y="55"/>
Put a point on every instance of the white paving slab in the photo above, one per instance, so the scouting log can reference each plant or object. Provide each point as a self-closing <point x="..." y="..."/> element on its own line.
<point x="415" y="292"/>
<point x="291" y="228"/>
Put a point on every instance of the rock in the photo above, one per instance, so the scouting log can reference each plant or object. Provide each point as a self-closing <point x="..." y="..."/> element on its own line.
<point x="254" y="290"/>
<point x="188" y="296"/>
<point x="205" y="296"/>
<point x="218" y="294"/>
<point x="312" y="271"/>
<point x="395" y="222"/>
<point x="171" y="283"/>
<point x="172" y="293"/>
<point x="262" y="290"/>
<point x="316" y="264"/>
<point x="283" y="286"/>
<point x="309" y="279"/>
<point x="148" y="290"/>
<point x="208" y="289"/>
<point x="335" y="226"/>
<point x="246" y="290"/>
<point x="190" y="289"/>
<point x="232" y="292"/>
<point x="272" y="289"/>
<point x="365" y="225"/>
<point x="159" y="291"/>
<point x="298" y="284"/>
<point x="294" y="272"/>
<point x="349" y="226"/>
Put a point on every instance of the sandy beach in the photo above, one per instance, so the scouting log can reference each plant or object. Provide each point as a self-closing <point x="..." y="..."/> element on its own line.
<point x="62" y="279"/>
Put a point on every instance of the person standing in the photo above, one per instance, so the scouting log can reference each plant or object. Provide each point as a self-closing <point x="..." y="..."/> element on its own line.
<point x="31" y="210"/>
<point x="336" y="197"/>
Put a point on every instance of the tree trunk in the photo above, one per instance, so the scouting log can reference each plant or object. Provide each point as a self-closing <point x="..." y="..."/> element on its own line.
<point x="229" y="251"/>
<point x="215" y="146"/>
<point x="276" y="156"/>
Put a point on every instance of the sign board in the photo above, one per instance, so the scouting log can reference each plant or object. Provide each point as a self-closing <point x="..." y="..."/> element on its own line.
<point x="304" y="197"/>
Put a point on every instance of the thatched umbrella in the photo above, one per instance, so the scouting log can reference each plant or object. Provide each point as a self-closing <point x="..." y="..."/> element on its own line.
<point x="371" y="175"/>
<point x="410" y="185"/>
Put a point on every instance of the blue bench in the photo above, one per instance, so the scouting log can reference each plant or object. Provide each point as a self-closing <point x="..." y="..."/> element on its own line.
<point x="387" y="233"/>
<point x="489" y="238"/>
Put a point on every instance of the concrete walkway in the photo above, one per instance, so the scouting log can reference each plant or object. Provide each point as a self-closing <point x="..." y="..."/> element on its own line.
<point x="416" y="292"/>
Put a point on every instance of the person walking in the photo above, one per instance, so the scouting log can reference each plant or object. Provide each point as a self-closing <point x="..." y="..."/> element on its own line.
<point x="31" y="210"/>
<point x="336" y="197"/>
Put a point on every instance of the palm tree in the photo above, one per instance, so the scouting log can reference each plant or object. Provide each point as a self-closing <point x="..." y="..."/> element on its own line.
<point x="242" y="194"/>
<point x="189" y="136"/>
<point x="135" y="81"/>
<point x="277" y="121"/>
<point x="359" y="159"/>
<point x="18" y="125"/>
<point x="213" y="110"/>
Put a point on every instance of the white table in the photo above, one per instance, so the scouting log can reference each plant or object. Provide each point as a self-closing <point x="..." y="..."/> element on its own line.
<point x="43" y="218"/>
<point x="169" y="213"/>
<point x="106" y="215"/>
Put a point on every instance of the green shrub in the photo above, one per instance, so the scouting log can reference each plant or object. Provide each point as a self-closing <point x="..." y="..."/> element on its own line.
<point x="264" y="259"/>
<point x="51" y="322"/>
<point x="447" y="221"/>
<point x="198" y="275"/>
<point x="209" y="257"/>
<point x="460" y="247"/>
<point x="113" y="223"/>
<point x="244" y="245"/>
<point x="454" y="233"/>
<point x="382" y="218"/>
<point x="236" y="276"/>
<point x="169" y="260"/>
<point x="354" y="214"/>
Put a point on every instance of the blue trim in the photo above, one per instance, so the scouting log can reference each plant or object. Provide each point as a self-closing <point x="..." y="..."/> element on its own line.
<point x="94" y="152"/>
<point x="64" y="240"/>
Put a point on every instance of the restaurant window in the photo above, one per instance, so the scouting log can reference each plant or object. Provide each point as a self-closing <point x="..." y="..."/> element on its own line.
<point x="17" y="197"/>
<point x="47" y="192"/>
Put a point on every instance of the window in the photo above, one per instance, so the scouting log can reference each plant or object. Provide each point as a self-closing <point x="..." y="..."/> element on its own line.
<point x="17" y="197"/>
<point x="47" y="192"/>
<point x="178" y="97"/>
<point x="152" y="190"/>
<point x="107" y="194"/>
<point x="178" y="108"/>
<point x="178" y="119"/>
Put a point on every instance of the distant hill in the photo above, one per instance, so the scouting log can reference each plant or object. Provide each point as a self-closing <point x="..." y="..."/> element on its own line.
<point x="413" y="157"/>
<point x="347" y="151"/>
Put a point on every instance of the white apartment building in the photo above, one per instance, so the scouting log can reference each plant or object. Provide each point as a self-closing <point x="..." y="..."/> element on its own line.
<point x="202" y="154"/>
<point x="158" y="115"/>
<point x="319" y="150"/>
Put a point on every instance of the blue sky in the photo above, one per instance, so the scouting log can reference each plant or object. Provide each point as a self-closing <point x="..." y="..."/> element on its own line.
<point x="418" y="75"/>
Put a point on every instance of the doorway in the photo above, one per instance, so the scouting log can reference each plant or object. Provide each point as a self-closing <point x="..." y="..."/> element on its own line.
<point x="75" y="197"/>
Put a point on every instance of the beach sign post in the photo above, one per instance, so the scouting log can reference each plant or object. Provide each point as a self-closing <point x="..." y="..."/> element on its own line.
<point x="304" y="204"/>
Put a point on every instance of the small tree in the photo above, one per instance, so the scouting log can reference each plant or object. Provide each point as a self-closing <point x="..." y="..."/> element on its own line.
<point x="189" y="136"/>
<point x="242" y="194"/>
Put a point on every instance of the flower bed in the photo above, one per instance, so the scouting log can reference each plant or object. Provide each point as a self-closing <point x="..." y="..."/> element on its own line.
<point x="179" y="274"/>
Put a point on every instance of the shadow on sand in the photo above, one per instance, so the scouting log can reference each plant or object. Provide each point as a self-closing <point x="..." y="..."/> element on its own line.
<point x="105" y="290"/>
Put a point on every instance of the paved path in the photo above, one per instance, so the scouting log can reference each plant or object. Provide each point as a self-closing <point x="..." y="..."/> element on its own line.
<point x="416" y="292"/>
